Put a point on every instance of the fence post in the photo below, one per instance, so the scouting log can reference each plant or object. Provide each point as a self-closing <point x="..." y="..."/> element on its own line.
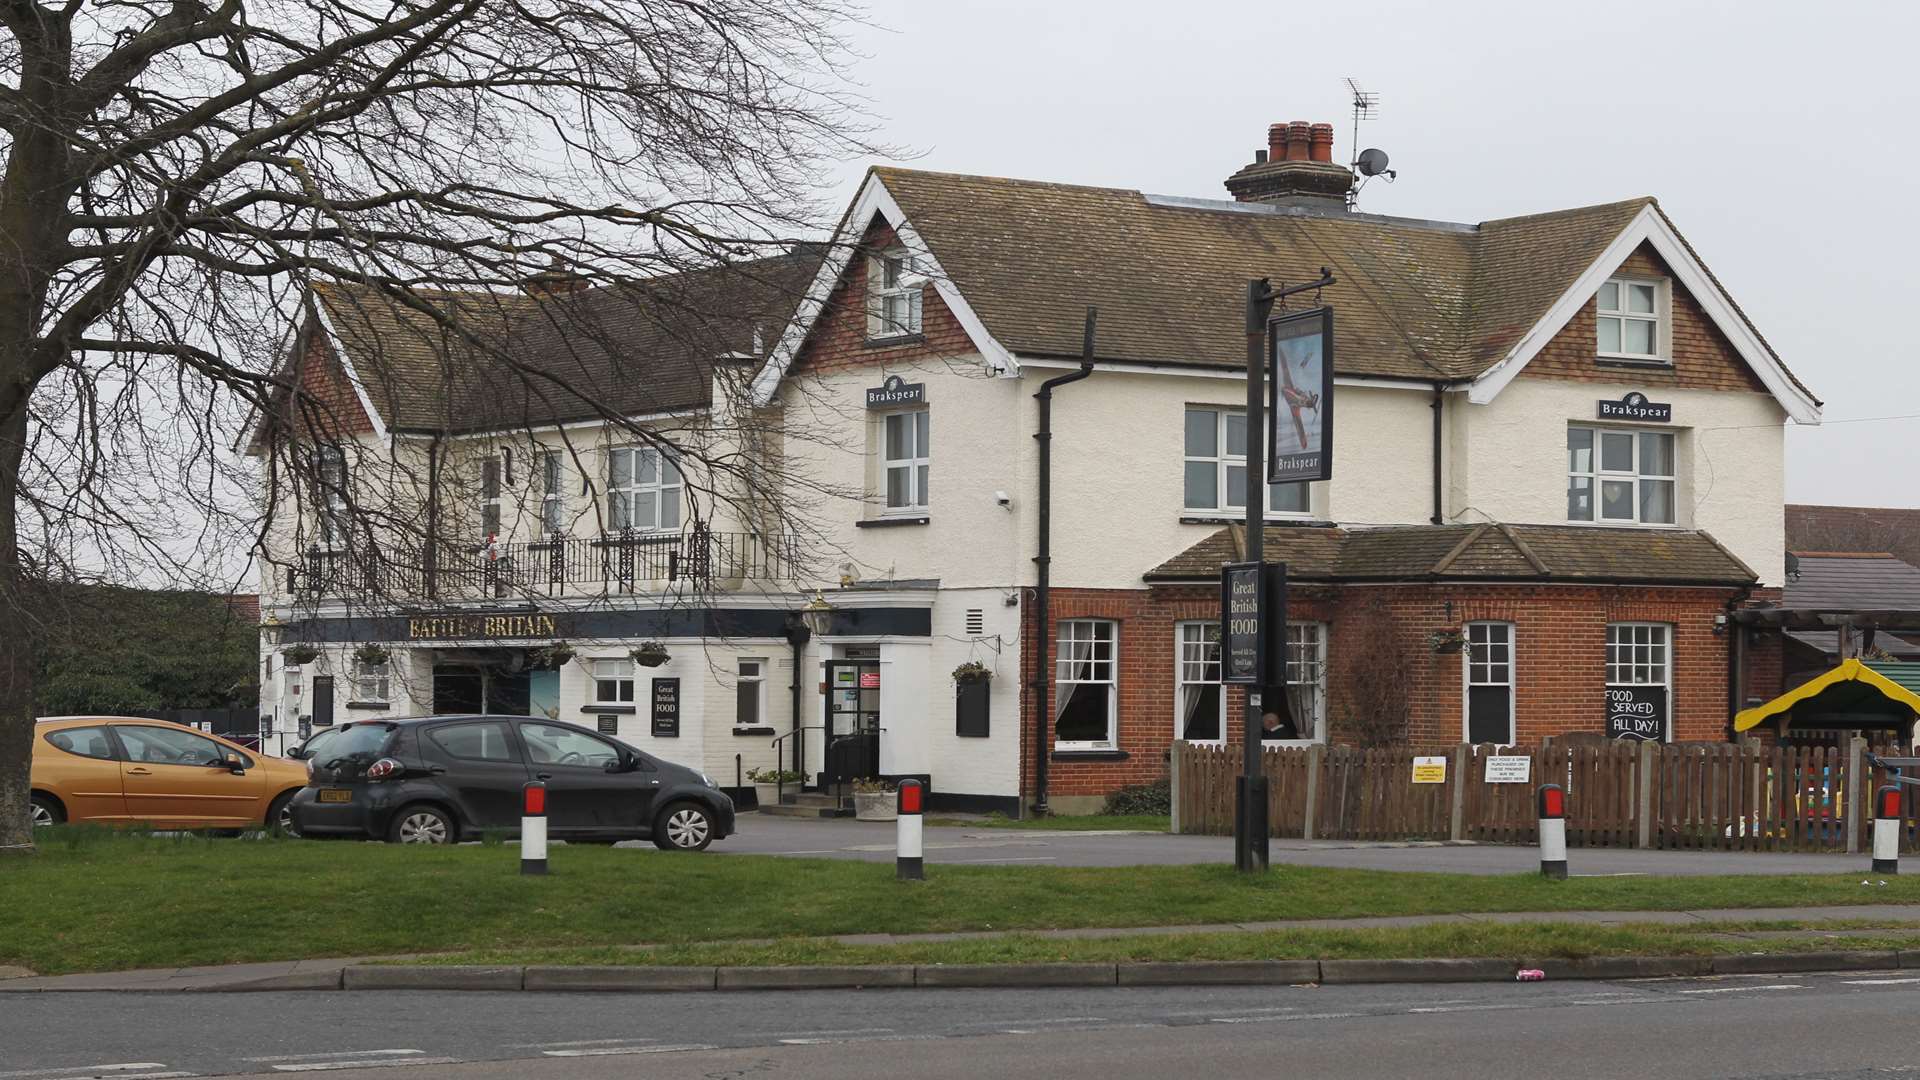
<point x="1315" y="755"/>
<point x="1856" y="792"/>
<point x="1457" y="825"/>
<point x="1173" y="787"/>
<point x="1643" y="804"/>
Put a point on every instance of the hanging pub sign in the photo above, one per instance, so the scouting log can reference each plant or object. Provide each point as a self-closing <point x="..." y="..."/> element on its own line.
<point x="666" y="708"/>
<point x="1300" y="397"/>
<point x="1253" y="608"/>
<point x="894" y="390"/>
<point x="1637" y="712"/>
<point x="1635" y="406"/>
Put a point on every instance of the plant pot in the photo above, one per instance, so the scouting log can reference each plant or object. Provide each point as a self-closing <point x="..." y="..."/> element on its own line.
<point x="875" y="806"/>
<point x="767" y="794"/>
<point x="649" y="657"/>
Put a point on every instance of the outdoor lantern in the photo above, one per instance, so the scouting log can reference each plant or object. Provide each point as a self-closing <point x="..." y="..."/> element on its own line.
<point x="271" y="628"/>
<point x="818" y="614"/>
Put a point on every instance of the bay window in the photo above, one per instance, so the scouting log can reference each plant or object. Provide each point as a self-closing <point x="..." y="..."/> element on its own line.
<point x="1216" y="466"/>
<point x="1620" y="476"/>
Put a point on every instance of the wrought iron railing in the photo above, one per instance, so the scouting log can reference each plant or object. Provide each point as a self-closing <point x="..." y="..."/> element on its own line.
<point x="618" y="563"/>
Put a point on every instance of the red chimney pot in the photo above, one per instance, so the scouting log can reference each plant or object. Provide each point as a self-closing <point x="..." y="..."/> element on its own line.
<point x="1276" y="142"/>
<point x="1299" y="135"/>
<point x="1322" y="142"/>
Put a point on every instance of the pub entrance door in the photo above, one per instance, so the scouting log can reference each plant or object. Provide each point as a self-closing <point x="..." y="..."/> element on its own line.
<point x="852" y="722"/>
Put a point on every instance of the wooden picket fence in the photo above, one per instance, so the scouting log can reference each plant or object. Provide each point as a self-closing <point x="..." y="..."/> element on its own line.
<point x="1721" y="797"/>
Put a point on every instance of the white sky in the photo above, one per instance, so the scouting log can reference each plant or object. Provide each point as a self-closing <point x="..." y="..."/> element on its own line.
<point x="1779" y="137"/>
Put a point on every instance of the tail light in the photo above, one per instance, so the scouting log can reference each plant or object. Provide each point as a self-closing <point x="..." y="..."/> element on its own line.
<point x="384" y="768"/>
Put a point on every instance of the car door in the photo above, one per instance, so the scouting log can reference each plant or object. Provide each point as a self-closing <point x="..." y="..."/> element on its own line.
<point x="82" y="766"/>
<point x="586" y="790"/>
<point x="480" y="767"/>
<point x="174" y="777"/>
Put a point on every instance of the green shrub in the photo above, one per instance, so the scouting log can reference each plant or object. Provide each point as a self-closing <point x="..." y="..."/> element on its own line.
<point x="1154" y="798"/>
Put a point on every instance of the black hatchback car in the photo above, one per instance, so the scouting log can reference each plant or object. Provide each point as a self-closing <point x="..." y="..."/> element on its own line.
<point x="437" y="779"/>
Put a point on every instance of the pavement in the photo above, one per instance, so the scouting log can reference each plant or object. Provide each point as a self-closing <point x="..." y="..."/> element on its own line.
<point x="1781" y="1027"/>
<point x="960" y="845"/>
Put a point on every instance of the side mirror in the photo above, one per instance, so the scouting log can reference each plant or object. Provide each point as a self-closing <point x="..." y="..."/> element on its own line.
<point x="627" y="763"/>
<point x="298" y="753"/>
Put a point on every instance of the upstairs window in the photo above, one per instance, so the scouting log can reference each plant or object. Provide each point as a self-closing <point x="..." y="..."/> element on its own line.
<point x="330" y="475"/>
<point x="1620" y="477"/>
<point x="893" y="296"/>
<point x="1628" y="319"/>
<point x="490" y="483"/>
<point x="643" y="490"/>
<point x="907" y="458"/>
<point x="553" y="497"/>
<point x="1216" y="467"/>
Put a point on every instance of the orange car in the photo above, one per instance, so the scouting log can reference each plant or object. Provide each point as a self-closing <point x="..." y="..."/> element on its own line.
<point x="125" y="770"/>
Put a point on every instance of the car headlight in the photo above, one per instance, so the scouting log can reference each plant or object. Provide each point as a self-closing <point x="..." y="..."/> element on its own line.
<point x="708" y="780"/>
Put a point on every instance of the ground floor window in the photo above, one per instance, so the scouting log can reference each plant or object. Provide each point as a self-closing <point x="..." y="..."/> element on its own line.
<point x="371" y="682"/>
<point x="1489" y="659"/>
<point x="1305" y="694"/>
<point x="613" y="682"/>
<point x="1085" y="685"/>
<point x="751" y="696"/>
<point x="1639" y="681"/>
<point x="1200" y="707"/>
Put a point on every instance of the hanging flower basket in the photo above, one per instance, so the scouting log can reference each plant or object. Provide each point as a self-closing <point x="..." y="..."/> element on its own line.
<point x="558" y="654"/>
<point x="371" y="654"/>
<point x="1447" y="641"/>
<point x="649" y="654"/>
<point x="297" y="655"/>
<point x="972" y="671"/>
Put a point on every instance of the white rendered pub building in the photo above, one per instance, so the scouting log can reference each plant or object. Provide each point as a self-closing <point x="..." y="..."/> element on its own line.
<point x="1559" y="467"/>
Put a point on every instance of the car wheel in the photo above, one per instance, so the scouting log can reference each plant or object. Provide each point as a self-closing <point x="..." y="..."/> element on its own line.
<point x="684" y="826"/>
<point x="44" y="811"/>
<point x="422" y="825"/>
<point x="280" y="817"/>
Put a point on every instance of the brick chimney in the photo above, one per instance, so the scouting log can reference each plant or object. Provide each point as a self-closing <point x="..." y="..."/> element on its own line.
<point x="1296" y="169"/>
<point x="554" y="281"/>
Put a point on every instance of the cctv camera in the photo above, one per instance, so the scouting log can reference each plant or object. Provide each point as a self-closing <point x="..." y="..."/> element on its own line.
<point x="1003" y="498"/>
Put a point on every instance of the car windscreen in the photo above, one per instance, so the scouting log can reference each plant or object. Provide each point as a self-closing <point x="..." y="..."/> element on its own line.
<point x="357" y="743"/>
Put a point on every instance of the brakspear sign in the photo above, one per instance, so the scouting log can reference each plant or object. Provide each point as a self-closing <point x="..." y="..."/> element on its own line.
<point x="480" y="625"/>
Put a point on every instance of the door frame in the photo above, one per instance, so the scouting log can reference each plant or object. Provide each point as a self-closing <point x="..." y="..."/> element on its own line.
<point x="831" y="666"/>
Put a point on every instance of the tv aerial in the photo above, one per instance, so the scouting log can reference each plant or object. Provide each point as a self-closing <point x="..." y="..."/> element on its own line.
<point x="1370" y="162"/>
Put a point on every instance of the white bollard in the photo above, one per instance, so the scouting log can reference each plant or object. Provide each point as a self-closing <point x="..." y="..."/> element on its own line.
<point x="533" y="828"/>
<point x="1886" y="830"/>
<point x="1553" y="832"/>
<point x="907" y="863"/>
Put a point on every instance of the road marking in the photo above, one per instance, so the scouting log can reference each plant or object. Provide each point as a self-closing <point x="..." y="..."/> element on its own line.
<point x="1879" y="982"/>
<point x="337" y="1054"/>
<point x="1489" y="1007"/>
<point x="363" y="1063"/>
<point x="1272" y="1019"/>
<point x="75" y="1070"/>
<point x="578" y="1042"/>
<point x="817" y="1034"/>
<point x="1023" y="858"/>
<point x="867" y="1039"/>
<point x="1742" y="989"/>
<point x="620" y="1051"/>
<point x="120" y="1076"/>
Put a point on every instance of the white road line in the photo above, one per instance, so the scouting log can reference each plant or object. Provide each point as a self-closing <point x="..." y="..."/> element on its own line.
<point x="1273" y="1019"/>
<point x="1489" y="1007"/>
<point x="365" y="1063"/>
<point x="76" y="1070"/>
<point x="1023" y="858"/>
<point x="1879" y="982"/>
<point x="578" y="1042"/>
<point x="621" y="1051"/>
<point x="810" y="1034"/>
<point x="337" y="1054"/>
<point x="1249" y="1012"/>
<point x="867" y="1039"/>
<point x="1743" y="989"/>
<point x="121" y="1076"/>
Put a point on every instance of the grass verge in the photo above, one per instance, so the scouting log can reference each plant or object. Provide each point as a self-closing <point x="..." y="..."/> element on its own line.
<point x="1067" y="823"/>
<point x="1534" y="941"/>
<point x="102" y="902"/>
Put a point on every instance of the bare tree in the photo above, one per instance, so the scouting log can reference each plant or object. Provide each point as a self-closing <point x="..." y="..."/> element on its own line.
<point x="179" y="175"/>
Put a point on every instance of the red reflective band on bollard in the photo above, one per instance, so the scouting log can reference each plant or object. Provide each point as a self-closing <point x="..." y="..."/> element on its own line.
<point x="909" y="796"/>
<point x="535" y="794"/>
<point x="1553" y="801"/>
<point x="1887" y="804"/>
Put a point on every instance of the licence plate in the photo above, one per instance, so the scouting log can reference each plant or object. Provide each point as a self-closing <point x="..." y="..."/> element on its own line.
<point x="335" y="795"/>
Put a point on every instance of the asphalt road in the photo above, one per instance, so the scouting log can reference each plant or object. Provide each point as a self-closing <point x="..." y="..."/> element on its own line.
<point x="1856" y="1024"/>
<point x="872" y="841"/>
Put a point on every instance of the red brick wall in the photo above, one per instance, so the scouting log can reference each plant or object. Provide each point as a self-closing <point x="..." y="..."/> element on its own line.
<point x="1703" y="358"/>
<point x="333" y="406"/>
<point x="838" y="340"/>
<point x="1560" y="658"/>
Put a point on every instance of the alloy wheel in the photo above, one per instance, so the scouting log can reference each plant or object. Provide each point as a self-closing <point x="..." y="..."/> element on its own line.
<point x="42" y="817"/>
<point x="423" y="828"/>
<point x="687" y="828"/>
<point x="285" y="820"/>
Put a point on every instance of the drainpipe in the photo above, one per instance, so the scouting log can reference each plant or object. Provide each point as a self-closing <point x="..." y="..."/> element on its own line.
<point x="430" y="558"/>
<point x="1042" y="682"/>
<point x="1439" y="398"/>
<point x="1736" y="659"/>
<point x="797" y="636"/>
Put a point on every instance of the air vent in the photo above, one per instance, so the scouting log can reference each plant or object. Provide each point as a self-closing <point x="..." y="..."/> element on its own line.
<point x="976" y="621"/>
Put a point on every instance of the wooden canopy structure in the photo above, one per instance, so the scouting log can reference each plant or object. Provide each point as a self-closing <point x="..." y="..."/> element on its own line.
<point x="1857" y="694"/>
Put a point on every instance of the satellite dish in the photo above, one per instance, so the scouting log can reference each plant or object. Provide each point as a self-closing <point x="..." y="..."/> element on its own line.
<point x="1372" y="162"/>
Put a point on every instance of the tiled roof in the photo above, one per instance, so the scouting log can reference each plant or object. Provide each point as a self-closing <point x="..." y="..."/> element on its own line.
<point x="1472" y="553"/>
<point x="626" y="350"/>
<point x="1853" y="582"/>
<point x="1855" y="529"/>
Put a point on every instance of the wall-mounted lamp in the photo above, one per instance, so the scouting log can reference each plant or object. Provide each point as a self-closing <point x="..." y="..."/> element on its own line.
<point x="272" y="629"/>
<point x="1720" y="624"/>
<point x="817" y="615"/>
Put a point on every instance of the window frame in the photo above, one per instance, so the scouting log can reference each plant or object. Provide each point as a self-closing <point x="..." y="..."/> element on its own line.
<point x="918" y="463"/>
<point x="881" y="324"/>
<point x="1298" y="662"/>
<point x="1469" y="680"/>
<point x="658" y="487"/>
<point x="553" y="494"/>
<point x="1222" y="463"/>
<point x="1183" y="666"/>
<point x="1094" y="658"/>
<point x="492" y="496"/>
<point x="758" y="681"/>
<point x="600" y="682"/>
<point x="330" y="478"/>
<point x="1665" y="647"/>
<point x="361" y="681"/>
<point x="1621" y="314"/>
<point x="1596" y="475"/>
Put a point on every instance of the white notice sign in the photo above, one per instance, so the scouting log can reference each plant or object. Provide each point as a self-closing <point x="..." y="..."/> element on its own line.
<point x="1509" y="770"/>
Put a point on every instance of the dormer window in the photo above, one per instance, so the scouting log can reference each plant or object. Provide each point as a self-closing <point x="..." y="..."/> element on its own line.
<point x="893" y="296"/>
<point x="1627" y="317"/>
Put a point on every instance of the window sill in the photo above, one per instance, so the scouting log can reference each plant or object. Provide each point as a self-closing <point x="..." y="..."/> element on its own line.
<point x="1653" y="363"/>
<point x="891" y="522"/>
<point x="369" y="705"/>
<point x="1626" y="524"/>
<point x="647" y="538"/>
<point x="1090" y="755"/>
<point x="895" y="341"/>
<point x="754" y="731"/>
<point x="1202" y="518"/>
<point x="619" y="710"/>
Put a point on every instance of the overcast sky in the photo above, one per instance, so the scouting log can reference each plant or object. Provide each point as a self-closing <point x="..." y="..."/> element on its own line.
<point x="1779" y="137"/>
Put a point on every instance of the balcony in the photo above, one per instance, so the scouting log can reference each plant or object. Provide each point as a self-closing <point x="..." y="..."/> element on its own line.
<point x="627" y="563"/>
